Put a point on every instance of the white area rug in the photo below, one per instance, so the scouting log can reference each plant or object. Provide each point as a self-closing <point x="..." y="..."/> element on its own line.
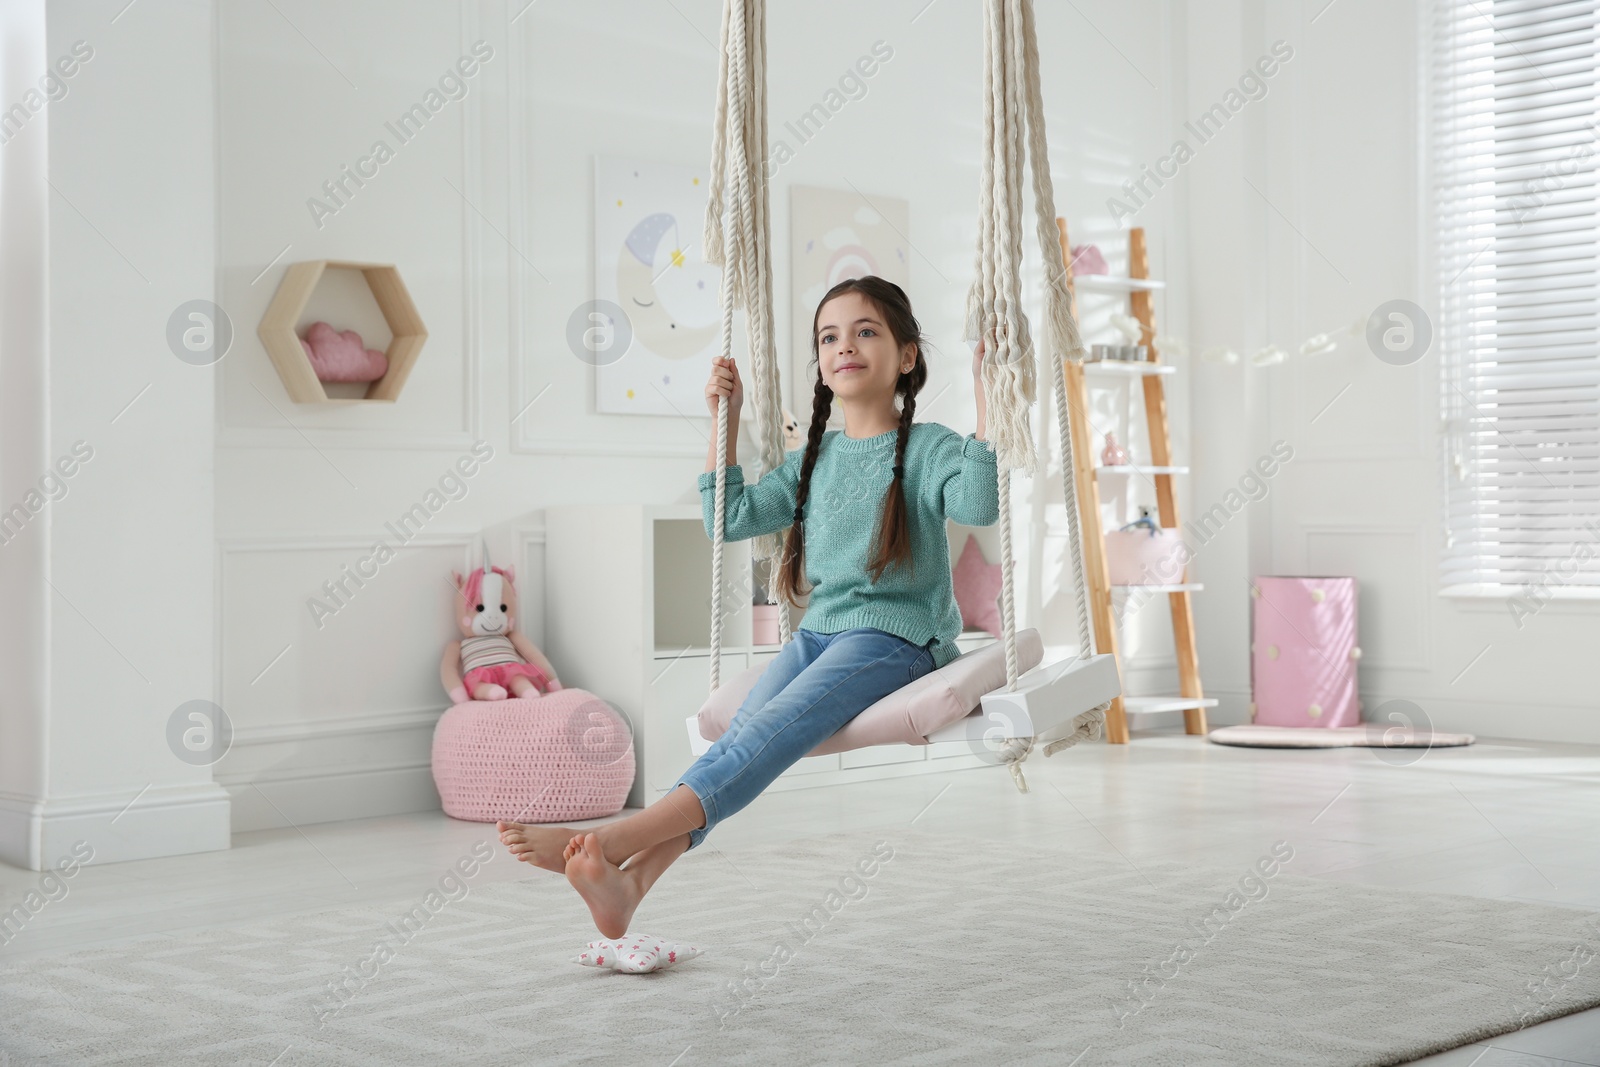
<point x="953" y="951"/>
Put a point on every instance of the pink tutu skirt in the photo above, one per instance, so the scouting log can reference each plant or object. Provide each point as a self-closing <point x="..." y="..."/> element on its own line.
<point x="501" y="674"/>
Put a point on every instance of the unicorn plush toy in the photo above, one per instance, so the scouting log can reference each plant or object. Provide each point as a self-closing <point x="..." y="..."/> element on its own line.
<point x="492" y="655"/>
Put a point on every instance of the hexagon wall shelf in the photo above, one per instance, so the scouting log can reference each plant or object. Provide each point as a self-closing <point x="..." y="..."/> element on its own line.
<point x="277" y="330"/>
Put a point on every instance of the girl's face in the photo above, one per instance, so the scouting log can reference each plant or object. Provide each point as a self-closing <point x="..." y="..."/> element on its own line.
<point x="856" y="353"/>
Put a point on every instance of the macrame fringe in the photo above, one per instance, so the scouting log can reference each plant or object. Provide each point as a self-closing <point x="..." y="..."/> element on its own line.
<point x="1013" y="131"/>
<point x="741" y="245"/>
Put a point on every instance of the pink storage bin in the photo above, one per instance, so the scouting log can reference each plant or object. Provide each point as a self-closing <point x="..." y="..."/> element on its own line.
<point x="764" y="624"/>
<point x="1303" y="652"/>
<point x="1140" y="557"/>
<point x="564" y="756"/>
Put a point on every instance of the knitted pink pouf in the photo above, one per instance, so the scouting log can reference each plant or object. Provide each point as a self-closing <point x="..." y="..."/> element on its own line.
<point x="565" y="756"/>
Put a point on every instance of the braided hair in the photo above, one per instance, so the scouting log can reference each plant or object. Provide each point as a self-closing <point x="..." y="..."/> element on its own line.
<point x="894" y="533"/>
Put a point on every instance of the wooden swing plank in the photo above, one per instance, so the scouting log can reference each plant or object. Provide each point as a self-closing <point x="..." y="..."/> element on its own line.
<point x="1046" y="699"/>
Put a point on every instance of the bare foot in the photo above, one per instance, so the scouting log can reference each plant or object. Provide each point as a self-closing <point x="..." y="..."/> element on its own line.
<point x="610" y="893"/>
<point x="541" y="846"/>
<point x="574" y="847"/>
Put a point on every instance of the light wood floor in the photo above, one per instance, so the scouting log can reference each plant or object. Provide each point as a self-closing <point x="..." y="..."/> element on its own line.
<point x="1512" y="820"/>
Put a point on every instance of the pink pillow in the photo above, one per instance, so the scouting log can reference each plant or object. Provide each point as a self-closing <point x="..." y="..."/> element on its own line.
<point x="341" y="356"/>
<point x="906" y="716"/>
<point x="977" y="587"/>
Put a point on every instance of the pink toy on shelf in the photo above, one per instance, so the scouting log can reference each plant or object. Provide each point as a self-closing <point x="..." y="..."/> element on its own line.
<point x="1304" y="652"/>
<point x="764" y="624"/>
<point x="1144" y="557"/>
<point x="341" y="356"/>
<point x="1114" y="455"/>
<point x="1086" y="259"/>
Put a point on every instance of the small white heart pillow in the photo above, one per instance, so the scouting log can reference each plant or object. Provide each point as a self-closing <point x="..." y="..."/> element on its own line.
<point x="635" y="954"/>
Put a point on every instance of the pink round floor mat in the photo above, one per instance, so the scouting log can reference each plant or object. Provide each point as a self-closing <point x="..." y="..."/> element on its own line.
<point x="1367" y="735"/>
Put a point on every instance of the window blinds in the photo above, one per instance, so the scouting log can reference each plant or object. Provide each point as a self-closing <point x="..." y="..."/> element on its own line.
<point x="1515" y="162"/>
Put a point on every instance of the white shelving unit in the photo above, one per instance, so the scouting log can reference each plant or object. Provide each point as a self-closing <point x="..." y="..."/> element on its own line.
<point x="1150" y="374"/>
<point x="628" y="617"/>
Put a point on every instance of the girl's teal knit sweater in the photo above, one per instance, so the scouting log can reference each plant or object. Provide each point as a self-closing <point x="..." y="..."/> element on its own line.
<point x="947" y="476"/>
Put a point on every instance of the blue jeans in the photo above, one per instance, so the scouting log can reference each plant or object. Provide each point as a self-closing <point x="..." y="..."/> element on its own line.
<point x="815" y="685"/>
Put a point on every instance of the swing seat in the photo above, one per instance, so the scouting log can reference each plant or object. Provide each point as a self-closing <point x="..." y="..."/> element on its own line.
<point x="961" y="701"/>
<point x="1045" y="705"/>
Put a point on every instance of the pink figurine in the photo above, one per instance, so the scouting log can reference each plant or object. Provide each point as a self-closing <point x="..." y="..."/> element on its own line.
<point x="1114" y="455"/>
<point x="492" y="655"/>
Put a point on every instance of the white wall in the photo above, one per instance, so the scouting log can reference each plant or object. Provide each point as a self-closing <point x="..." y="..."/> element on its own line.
<point x="109" y="225"/>
<point x="24" y="453"/>
<point x="1339" y="226"/>
<point x="182" y="161"/>
<point x="488" y="214"/>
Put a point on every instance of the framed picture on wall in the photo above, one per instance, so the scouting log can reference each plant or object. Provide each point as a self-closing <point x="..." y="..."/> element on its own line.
<point x="836" y="234"/>
<point x="653" y="284"/>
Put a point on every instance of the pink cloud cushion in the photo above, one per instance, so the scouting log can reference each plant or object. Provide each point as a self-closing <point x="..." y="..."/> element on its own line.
<point x="977" y="587"/>
<point x="341" y="356"/>
<point x="905" y="716"/>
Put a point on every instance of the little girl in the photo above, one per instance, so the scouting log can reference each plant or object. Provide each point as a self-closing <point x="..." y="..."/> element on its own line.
<point x="880" y="615"/>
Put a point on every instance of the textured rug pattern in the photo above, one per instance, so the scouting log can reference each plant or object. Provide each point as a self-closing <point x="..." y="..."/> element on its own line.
<point x="896" y="947"/>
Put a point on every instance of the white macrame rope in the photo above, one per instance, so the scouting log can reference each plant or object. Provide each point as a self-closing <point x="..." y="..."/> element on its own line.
<point x="1086" y="727"/>
<point x="728" y="97"/>
<point x="742" y="246"/>
<point x="1014" y="131"/>
<point x="1063" y="331"/>
<point x="768" y="381"/>
<point x="1007" y="601"/>
<point x="994" y="304"/>
<point x="1069" y="496"/>
<point x="1063" y="325"/>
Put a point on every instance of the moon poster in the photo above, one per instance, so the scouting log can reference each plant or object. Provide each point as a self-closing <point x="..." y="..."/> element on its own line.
<point x="650" y="267"/>
<point x="836" y="234"/>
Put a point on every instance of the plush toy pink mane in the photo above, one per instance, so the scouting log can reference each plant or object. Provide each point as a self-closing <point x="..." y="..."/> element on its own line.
<point x="474" y="584"/>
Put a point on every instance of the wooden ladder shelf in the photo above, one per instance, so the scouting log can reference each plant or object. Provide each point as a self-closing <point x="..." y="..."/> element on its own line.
<point x="1191" y="698"/>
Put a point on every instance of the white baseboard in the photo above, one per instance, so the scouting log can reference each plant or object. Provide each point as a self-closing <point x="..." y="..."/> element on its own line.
<point x="331" y="794"/>
<point x="300" y="772"/>
<point x="167" y="820"/>
<point x="1532" y="721"/>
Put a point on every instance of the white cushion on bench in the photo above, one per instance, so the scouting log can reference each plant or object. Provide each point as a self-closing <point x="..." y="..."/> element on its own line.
<point x="905" y="716"/>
